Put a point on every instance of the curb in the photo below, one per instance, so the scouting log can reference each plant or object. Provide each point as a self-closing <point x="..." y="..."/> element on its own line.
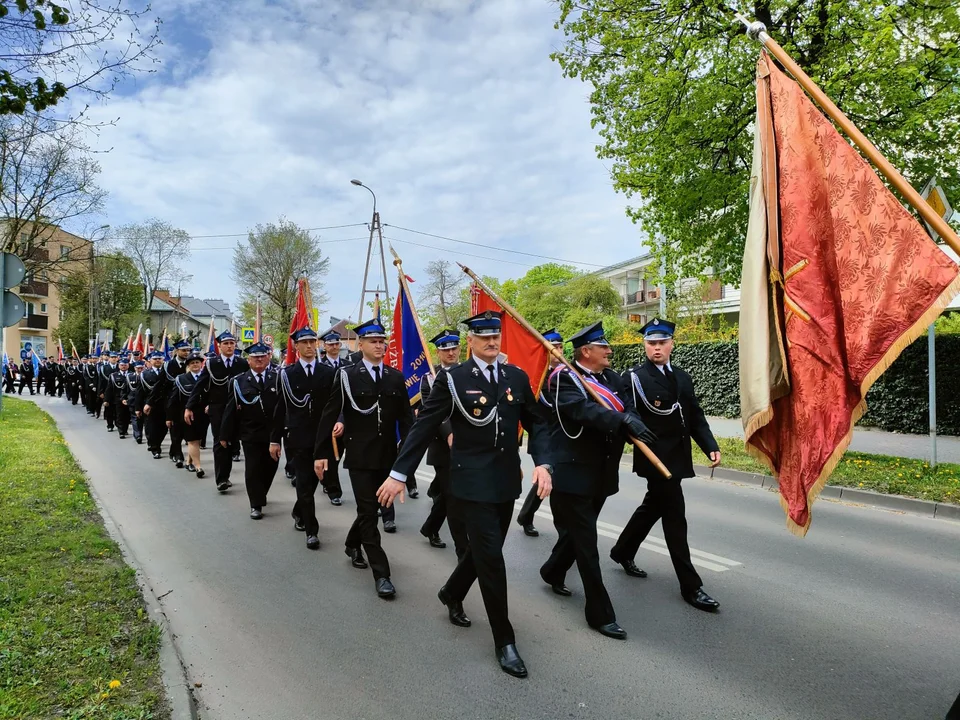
<point x="898" y="503"/>
<point x="172" y="669"/>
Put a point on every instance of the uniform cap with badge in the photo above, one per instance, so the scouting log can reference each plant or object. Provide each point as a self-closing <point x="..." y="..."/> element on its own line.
<point x="331" y="337"/>
<point x="590" y="335"/>
<point x="446" y="340"/>
<point x="658" y="329"/>
<point x="553" y="335"/>
<point x="226" y="336"/>
<point x="258" y="349"/>
<point x="305" y="333"/>
<point x="485" y="323"/>
<point x="370" y="330"/>
<point x="180" y="345"/>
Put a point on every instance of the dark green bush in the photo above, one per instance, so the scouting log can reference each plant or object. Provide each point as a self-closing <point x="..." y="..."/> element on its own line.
<point x="897" y="401"/>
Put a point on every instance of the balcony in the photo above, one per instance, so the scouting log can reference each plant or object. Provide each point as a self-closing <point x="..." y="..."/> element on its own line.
<point x="34" y="322"/>
<point x="36" y="288"/>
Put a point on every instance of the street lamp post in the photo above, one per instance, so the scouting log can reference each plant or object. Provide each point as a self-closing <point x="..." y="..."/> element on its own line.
<point x="93" y="309"/>
<point x="375" y="227"/>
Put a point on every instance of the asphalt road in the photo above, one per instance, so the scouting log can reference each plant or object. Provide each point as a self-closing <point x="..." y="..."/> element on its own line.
<point x="858" y="620"/>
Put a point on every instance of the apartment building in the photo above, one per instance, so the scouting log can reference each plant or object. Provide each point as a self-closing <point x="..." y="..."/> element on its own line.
<point x="59" y="254"/>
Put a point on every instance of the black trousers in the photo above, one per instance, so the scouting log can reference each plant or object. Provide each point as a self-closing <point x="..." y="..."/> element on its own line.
<point x="259" y="471"/>
<point x="954" y="712"/>
<point x="440" y="492"/>
<point x="364" y="530"/>
<point x="121" y="417"/>
<point x="306" y="506"/>
<point x="109" y="414"/>
<point x="25" y="380"/>
<point x="486" y="525"/>
<point x="530" y="506"/>
<point x="156" y="426"/>
<point x="663" y="501"/>
<point x="136" y="425"/>
<point x="331" y="479"/>
<point x="176" y="440"/>
<point x="9" y="384"/>
<point x="223" y="456"/>
<point x="575" y="517"/>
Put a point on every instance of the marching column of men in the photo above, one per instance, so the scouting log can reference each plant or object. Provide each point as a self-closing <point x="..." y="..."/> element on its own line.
<point x="467" y="424"/>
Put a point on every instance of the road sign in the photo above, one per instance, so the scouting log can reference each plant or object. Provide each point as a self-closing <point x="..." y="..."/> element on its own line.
<point x="937" y="199"/>
<point x="315" y="317"/>
<point x="248" y="334"/>
<point x="12" y="272"/>
<point x="268" y="340"/>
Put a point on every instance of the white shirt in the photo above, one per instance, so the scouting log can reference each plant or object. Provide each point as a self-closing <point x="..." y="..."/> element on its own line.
<point x="228" y="360"/>
<point x="335" y="362"/>
<point x="370" y="366"/>
<point x="256" y="374"/>
<point x="311" y="363"/>
<point x="661" y="368"/>
<point x="483" y="365"/>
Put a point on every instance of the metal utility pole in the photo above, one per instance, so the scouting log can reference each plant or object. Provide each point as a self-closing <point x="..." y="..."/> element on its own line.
<point x="375" y="230"/>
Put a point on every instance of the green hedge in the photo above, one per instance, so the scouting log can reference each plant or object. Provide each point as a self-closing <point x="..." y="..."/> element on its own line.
<point x="897" y="401"/>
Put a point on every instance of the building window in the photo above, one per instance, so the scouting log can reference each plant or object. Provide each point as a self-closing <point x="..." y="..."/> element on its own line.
<point x="64" y="251"/>
<point x="44" y="276"/>
<point x="43" y="307"/>
<point x="38" y="344"/>
<point x="24" y="238"/>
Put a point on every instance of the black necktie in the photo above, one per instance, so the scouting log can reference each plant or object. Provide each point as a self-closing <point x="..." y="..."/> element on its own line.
<point x="376" y="374"/>
<point x="493" y="377"/>
<point x="309" y="370"/>
<point x="260" y="381"/>
<point x="227" y="363"/>
<point x="670" y="376"/>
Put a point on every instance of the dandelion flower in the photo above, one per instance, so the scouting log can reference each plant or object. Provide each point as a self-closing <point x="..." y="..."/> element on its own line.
<point x="114" y="684"/>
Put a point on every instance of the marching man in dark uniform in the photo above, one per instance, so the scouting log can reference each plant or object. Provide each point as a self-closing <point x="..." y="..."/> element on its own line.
<point x="89" y="374"/>
<point x="135" y="400"/>
<point x="665" y="399"/>
<point x="26" y="376"/>
<point x="331" y="358"/>
<point x="532" y="502"/>
<point x="486" y="402"/>
<point x="9" y="376"/>
<point x="370" y="404"/>
<point x="172" y="369"/>
<point x="116" y="397"/>
<point x="72" y="381"/>
<point x="183" y="385"/>
<point x="304" y="391"/>
<point x="103" y="382"/>
<point x="438" y="453"/>
<point x="248" y="415"/>
<point x="210" y="396"/>
<point x="586" y="444"/>
<point x="152" y="403"/>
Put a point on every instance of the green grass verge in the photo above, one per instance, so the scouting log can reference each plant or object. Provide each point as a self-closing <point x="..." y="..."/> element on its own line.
<point x="881" y="473"/>
<point x="75" y="638"/>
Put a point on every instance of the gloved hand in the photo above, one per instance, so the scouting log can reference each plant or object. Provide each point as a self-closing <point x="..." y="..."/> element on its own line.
<point x="637" y="429"/>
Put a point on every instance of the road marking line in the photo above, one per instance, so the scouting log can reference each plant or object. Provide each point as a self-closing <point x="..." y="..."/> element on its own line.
<point x="700" y="558"/>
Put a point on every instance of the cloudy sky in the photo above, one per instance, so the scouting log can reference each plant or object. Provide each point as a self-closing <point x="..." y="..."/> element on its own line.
<point x="451" y="111"/>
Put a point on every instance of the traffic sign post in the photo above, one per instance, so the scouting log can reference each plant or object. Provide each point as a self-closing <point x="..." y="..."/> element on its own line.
<point x="248" y="334"/>
<point x="937" y="199"/>
<point x="12" y="273"/>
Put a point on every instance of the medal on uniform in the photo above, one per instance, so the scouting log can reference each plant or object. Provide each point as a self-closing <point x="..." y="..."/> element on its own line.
<point x="476" y="411"/>
<point x="483" y="399"/>
<point x="509" y="395"/>
<point x="656" y="403"/>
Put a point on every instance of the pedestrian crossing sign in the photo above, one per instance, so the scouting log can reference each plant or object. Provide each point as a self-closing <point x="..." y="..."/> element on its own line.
<point x="248" y="334"/>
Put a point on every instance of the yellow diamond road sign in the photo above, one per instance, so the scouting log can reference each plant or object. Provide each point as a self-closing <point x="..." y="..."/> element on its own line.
<point x="937" y="200"/>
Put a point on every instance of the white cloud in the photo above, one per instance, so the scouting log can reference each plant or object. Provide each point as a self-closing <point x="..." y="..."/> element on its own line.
<point x="452" y="112"/>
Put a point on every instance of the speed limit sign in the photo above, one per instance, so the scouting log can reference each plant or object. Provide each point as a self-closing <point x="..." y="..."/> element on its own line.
<point x="268" y="339"/>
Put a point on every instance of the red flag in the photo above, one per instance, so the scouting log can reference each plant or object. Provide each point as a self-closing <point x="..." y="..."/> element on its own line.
<point x="838" y="278"/>
<point x="60" y="351"/>
<point x="519" y="346"/>
<point x="301" y="319"/>
<point x="138" y="343"/>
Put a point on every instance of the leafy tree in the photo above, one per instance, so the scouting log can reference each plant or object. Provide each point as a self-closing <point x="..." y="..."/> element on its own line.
<point x="440" y="295"/>
<point x="119" y="297"/>
<point x="569" y="306"/>
<point x="268" y="266"/>
<point x="157" y="249"/>
<point x="546" y="274"/>
<point x="673" y="99"/>
<point x="52" y="48"/>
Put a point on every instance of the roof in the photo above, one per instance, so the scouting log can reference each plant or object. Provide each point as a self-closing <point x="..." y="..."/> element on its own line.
<point x="623" y="264"/>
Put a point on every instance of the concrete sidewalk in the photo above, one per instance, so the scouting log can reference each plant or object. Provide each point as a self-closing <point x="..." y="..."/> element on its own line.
<point x="877" y="442"/>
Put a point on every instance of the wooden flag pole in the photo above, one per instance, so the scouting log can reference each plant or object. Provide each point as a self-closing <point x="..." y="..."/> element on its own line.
<point x="758" y="31"/>
<point x="648" y="453"/>
<point x="405" y="288"/>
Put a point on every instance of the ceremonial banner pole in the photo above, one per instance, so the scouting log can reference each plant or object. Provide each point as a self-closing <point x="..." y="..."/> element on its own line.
<point x="405" y="288"/>
<point x="758" y="31"/>
<point x="648" y="453"/>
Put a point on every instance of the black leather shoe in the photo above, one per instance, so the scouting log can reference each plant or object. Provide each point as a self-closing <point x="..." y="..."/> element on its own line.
<point x="139" y="441"/>
<point x="414" y="494"/>
<point x="191" y="467"/>
<point x="255" y="514"/>
<point x="325" y="490"/>
<point x="236" y="458"/>
<point x="336" y="501"/>
<point x="454" y="609"/>
<point x="629" y="567"/>
<point x="612" y="630"/>
<point x="201" y="473"/>
<point x="511" y="662"/>
<point x="109" y="429"/>
<point x="178" y="463"/>
<point x="389" y="526"/>
<point x="436" y="542"/>
<point x="156" y="454"/>
<point x="290" y="476"/>
<point x="701" y="601"/>
<point x="561" y="589"/>
<point x="313" y="542"/>
<point x="298" y="525"/>
<point x="223" y="487"/>
<point x="385" y="589"/>
<point x="122" y="436"/>
<point x="530" y="531"/>
<point x="356" y="558"/>
<point x="203" y="446"/>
